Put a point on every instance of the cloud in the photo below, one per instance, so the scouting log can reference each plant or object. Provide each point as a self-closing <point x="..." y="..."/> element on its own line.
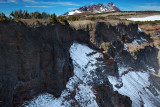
<point x="51" y="3"/>
<point x="151" y="4"/>
<point x="30" y="1"/>
<point x="148" y="7"/>
<point x="40" y="6"/>
<point x="8" y="1"/>
<point x="62" y="3"/>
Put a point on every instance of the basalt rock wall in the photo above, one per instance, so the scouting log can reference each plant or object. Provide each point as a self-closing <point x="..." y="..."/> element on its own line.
<point x="37" y="60"/>
<point x="33" y="61"/>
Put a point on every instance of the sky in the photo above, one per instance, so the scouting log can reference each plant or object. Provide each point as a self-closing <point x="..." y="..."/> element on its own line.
<point x="61" y="6"/>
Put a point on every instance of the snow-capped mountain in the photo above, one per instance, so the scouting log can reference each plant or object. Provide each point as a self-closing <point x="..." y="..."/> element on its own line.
<point x="99" y="8"/>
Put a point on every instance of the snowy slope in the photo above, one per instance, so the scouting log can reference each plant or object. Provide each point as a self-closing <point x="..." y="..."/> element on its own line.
<point x="136" y="85"/>
<point x="148" y="18"/>
<point x="74" y="12"/>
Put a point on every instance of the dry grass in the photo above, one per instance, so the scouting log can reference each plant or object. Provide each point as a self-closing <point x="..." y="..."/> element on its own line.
<point x="34" y="21"/>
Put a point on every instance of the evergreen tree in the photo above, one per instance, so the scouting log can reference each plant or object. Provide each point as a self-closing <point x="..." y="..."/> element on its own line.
<point x="53" y="18"/>
<point x="37" y="15"/>
<point x="20" y="14"/>
<point x="44" y="15"/>
<point x="12" y="14"/>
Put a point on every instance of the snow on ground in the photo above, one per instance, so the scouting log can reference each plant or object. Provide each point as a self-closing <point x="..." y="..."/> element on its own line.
<point x="125" y="47"/>
<point x="122" y="70"/>
<point x="80" y="55"/>
<point x="74" y="12"/>
<point x="139" y="30"/>
<point x="85" y="96"/>
<point x="84" y="60"/>
<point x="148" y="18"/>
<point x="136" y="86"/>
<point x="46" y="100"/>
<point x="139" y="41"/>
<point x="150" y="69"/>
<point x="136" y="42"/>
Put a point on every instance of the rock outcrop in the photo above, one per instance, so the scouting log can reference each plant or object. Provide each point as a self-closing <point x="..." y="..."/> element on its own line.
<point x="33" y="61"/>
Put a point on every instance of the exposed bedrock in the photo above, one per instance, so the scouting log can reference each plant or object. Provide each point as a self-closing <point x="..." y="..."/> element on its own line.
<point x="37" y="60"/>
<point x="33" y="61"/>
<point x="106" y="97"/>
<point x="124" y="43"/>
<point x="121" y="43"/>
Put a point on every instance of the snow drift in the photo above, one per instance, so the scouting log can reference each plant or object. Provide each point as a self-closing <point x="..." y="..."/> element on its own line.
<point x="148" y="18"/>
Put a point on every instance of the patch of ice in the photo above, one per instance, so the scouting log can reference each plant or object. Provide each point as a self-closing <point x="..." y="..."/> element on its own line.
<point x="148" y="18"/>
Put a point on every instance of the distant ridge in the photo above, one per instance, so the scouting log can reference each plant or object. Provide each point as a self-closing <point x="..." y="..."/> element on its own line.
<point x="99" y="8"/>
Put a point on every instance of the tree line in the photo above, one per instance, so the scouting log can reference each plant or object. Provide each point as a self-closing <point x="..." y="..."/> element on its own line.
<point x="37" y="15"/>
<point x="25" y="15"/>
<point x="19" y="14"/>
<point x="4" y="17"/>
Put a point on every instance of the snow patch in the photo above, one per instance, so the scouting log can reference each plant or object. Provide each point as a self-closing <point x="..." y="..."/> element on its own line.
<point x="148" y="18"/>
<point x="139" y="41"/>
<point x="80" y="55"/>
<point x="45" y="100"/>
<point x="136" y="86"/>
<point x="74" y="12"/>
<point x="125" y="47"/>
<point x="85" y="92"/>
<point x="151" y="69"/>
<point x="139" y="30"/>
<point x="122" y="70"/>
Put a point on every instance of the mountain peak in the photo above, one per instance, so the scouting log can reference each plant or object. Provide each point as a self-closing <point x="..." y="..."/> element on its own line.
<point x="95" y="8"/>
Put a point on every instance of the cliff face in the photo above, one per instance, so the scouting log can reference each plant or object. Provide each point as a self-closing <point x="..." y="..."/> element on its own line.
<point x="33" y="60"/>
<point x="72" y="58"/>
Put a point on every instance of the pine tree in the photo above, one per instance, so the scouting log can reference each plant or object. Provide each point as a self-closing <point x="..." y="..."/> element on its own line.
<point x="12" y="14"/>
<point x="53" y="18"/>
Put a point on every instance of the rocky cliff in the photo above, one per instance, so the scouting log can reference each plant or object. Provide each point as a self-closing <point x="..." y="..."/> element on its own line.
<point x="33" y="60"/>
<point x="64" y="60"/>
